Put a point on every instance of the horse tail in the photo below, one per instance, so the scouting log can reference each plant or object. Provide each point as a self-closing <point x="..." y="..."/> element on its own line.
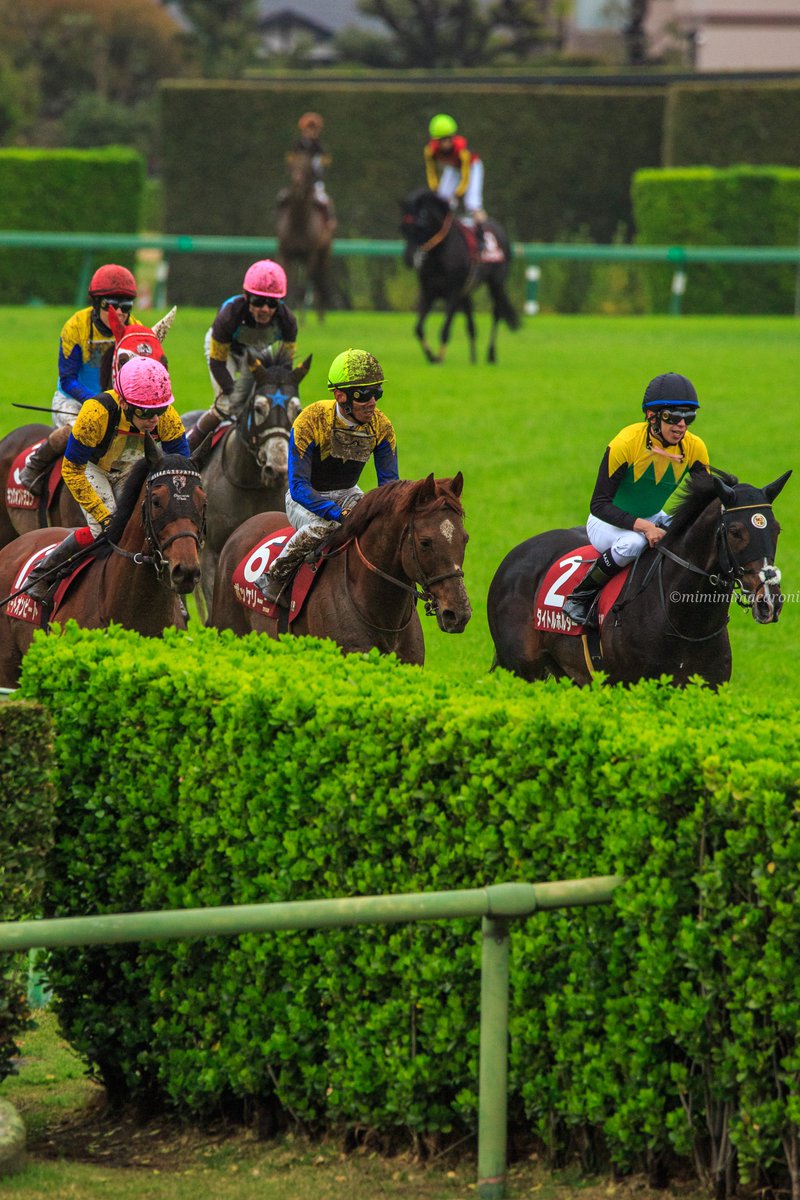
<point x="504" y="310"/>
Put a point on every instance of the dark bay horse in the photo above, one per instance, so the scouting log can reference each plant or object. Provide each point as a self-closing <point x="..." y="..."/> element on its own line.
<point x="672" y="614"/>
<point x="437" y="246"/>
<point x="149" y="557"/>
<point x="305" y="237"/>
<point x="247" y="470"/>
<point x="14" y="521"/>
<point x="403" y="541"/>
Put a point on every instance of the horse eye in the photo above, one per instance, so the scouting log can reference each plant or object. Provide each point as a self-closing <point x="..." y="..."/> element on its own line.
<point x="425" y="543"/>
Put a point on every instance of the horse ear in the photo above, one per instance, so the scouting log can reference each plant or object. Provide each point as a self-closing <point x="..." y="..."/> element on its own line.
<point x="774" y="489"/>
<point x="457" y="484"/>
<point x="152" y="452"/>
<point x="115" y="324"/>
<point x="300" y="372"/>
<point x="427" y="489"/>
<point x="162" y="327"/>
<point x="202" y="453"/>
<point x="726" y="494"/>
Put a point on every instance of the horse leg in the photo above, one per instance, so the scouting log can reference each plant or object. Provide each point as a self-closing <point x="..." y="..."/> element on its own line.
<point x="491" y="354"/>
<point x="453" y="306"/>
<point x="469" y="313"/>
<point x="423" y="308"/>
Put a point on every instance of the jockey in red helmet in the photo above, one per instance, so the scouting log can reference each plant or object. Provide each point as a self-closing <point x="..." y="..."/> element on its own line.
<point x="641" y="470"/>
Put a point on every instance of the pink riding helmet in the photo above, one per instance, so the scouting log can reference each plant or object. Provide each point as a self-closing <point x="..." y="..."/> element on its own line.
<point x="145" y="383"/>
<point x="265" y="278"/>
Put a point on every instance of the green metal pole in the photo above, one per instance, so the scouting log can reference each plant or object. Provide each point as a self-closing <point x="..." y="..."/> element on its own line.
<point x="85" y="275"/>
<point x="493" y="1086"/>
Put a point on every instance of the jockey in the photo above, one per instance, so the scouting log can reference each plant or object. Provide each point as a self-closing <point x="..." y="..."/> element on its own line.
<point x="641" y="470"/>
<point x="311" y="125"/>
<point x="84" y="340"/>
<point x="454" y="171"/>
<point x="107" y="437"/>
<point x="255" y="318"/>
<point x="329" y="445"/>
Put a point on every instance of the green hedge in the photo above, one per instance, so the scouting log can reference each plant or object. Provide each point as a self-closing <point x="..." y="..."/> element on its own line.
<point x="97" y="191"/>
<point x="721" y="124"/>
<point x="25" y="839"/>
<point x="734" y="206"/>
<point x="564" y="160"/>
<point x="246" y="771"/>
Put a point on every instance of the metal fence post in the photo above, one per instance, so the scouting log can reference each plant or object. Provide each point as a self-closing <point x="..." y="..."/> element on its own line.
<point x="493" y="1077"/>
<point x="532" y="276"/>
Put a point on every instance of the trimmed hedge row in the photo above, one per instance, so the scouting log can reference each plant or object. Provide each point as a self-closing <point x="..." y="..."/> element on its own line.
<point x="249" y="771"/>
<point x="25" y="840"/>
<point x="546" y="176"/>
<point x="96" y="191"/>
<point x="721" y="124"/>
<point x="734" y="206"/>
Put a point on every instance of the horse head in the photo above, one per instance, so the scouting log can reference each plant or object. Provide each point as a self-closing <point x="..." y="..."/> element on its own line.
<point x="423" y="215"/>
<point x="301" y="173"/>
<point x="433" y="552"/>
<point x="749" y="536"/>
<point x="272" y="406"/>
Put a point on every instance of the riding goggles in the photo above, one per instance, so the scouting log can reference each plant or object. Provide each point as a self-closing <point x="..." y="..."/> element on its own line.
<point x="364" y="395"/>
<point x="673" y="416"/>
<point x="145" y="414"/>
<point x="108" y="302"/>
<point x="263" y="302"/>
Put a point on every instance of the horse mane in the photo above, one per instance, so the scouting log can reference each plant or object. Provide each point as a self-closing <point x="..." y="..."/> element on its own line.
<point x="131" y="489"/>
<point x="276" y="356"/>
<point x="698" y="492"/>
<point x="400" y="498"/>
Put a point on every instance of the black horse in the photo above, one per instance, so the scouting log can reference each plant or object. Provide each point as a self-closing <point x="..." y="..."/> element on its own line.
<point x="672" y="615"/>
<point x="438" y="246"/>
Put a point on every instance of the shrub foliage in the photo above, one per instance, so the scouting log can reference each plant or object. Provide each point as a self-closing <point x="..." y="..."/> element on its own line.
<point x="662" y="1026"/>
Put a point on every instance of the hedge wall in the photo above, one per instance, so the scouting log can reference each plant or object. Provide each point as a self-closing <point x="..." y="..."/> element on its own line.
<point x="25" y="839"/>
<point x="97" y="191"/>
<point x="721" y="124"/>
<point x="557" y="160"/>
<point x="665" y="1025"/>
<point x="736" y="206"/>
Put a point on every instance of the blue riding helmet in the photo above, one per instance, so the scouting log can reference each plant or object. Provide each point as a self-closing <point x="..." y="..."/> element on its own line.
<point x="668" y="390"/>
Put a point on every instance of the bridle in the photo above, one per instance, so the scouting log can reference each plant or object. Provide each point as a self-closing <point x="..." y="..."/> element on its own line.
<point x="254" y="434"/>
<point x="427" y="581"/>
<point x="155" y="547"/>
<point x="726" y="580"/>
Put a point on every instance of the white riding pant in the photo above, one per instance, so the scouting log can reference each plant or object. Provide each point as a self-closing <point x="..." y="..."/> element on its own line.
<point x="625" y="544"/>
<point x="108" y="484"/>
<point x="64" y="409"/>
<point x="309" y="524"/>
<point x="473" y="196"/>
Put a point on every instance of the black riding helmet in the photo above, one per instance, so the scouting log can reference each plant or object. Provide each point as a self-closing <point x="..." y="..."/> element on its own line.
<point x="668" y="390"/>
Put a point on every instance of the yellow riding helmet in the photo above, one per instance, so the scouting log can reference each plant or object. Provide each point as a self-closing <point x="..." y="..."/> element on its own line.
<point x="354" y="368"/>
<point x="442" y="126"/>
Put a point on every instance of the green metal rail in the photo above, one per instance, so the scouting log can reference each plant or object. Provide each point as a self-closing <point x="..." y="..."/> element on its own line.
<point x="496" y="905"/>
<point x="532" y="253"/>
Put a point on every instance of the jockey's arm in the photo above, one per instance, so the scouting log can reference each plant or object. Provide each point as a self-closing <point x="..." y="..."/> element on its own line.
<point x="70" y="357"/>
<point x="431" y="173"/>
<point x="87" y="433"/>
<point x="218" y="364"/>
<point x="602" y="503"/>
<point x="466" y="167"/>
<point x="385" y="456"/>
<point x="302" y="490"/>
<point x="172" y="434"/>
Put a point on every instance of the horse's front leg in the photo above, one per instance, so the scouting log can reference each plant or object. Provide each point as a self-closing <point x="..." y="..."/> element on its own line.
<point x="423" y="308"/>
<point x="453" y="306"/>
<point x="491" y="353"/>
<point x="469" y="313"/>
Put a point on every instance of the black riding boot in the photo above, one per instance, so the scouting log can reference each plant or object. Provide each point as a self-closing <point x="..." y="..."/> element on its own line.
<point x="34" y="474"/>
<point x="43" y="576"/>
<point x="579" y="605"/>
<point x="206" y="423"/>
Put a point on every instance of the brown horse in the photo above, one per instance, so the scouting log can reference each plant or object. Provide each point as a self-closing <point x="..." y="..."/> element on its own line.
<point x="147" y="559"/>
<point x="305" y="237"/>
<point x="64" y="510"/>
<point x="404" y="541"/>
<point x="672" y="615"/>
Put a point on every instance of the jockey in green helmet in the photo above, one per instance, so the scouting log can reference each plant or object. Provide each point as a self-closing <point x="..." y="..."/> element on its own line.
<point x="452" y="170"/>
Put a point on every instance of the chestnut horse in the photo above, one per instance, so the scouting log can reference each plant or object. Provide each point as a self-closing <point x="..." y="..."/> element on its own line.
<point x="403" y="542"/>
<point x="147" y="559"/>
<point x="672" y="615"/>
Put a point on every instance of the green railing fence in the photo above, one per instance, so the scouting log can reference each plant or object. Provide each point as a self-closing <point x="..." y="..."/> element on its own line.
<point x="497" y="905"/>
<point x="680" y="258"/>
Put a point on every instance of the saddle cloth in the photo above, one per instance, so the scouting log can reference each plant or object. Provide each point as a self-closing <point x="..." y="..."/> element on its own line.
<point x="562" y="577"/>
<point x="17" y="495"/>
<point x="490" y="252"/>
<point x="257" y="561"/>
<point x="23" y="607"/>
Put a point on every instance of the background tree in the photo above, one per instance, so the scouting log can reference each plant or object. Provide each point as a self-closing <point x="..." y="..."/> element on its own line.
<point x="634" y="33"/>
<point x="225" y="34"/>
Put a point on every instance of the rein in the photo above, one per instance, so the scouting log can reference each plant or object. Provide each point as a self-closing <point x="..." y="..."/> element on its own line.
<point x="156" y="548"/>
<point x="439" y="236"/>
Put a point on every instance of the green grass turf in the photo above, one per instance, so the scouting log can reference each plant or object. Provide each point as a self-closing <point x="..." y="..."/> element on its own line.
<point x="529" y="432"/>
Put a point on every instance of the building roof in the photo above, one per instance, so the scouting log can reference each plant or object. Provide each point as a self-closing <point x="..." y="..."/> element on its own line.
<point x="329" y="15"/>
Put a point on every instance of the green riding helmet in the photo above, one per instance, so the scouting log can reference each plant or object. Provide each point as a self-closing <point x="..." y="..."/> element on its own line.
<point x="354" y="368"/>
<point x="442" y="126"/>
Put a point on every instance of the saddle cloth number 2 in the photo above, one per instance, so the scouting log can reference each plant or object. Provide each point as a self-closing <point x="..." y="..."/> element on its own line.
<point x="554" y="598"/>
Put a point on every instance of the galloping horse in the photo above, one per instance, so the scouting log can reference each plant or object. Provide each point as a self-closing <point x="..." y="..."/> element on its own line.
<point x="448" y="268"/>
<point x="246" y="471"/>
<point x="305" y="237"/>
<point x="64" y="510"/>
<point x="672" y="615"/>
<point x="404" y="541"/>
<point x="148" y="558"/>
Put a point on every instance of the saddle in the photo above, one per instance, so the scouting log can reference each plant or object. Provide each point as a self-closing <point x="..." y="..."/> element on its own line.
<point x="562" y="577"/>
<point x="24" y="608"/>
<point x="257" y="563"/>
<point x="488" y="250"/>
<point x="18" y="496"/>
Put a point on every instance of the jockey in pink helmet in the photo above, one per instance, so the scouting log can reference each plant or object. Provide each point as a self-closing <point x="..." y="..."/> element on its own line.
<point x="107" y="437"/>
<point x="253" y="319"/>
